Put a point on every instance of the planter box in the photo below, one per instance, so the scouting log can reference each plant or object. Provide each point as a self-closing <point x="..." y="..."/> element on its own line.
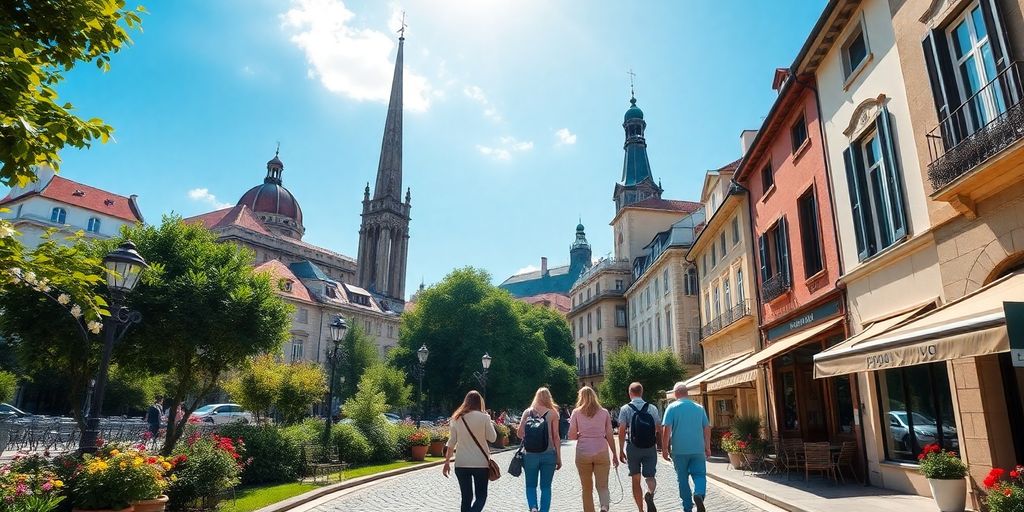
<point x="949" y="495"/>
<point x="418" y="452"/>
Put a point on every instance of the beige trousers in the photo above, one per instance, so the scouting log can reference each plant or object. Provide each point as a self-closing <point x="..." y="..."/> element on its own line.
<point x="594" y="468"/>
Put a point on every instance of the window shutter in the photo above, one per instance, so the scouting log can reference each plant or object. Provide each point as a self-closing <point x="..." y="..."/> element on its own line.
<point x="944" y="88"/>
<point x="763" y="252"/>
<point x="893" y="176"/>
<point x="859" y="202"/>
<point x="1000" y="50"/>
<point x="783" y="249"/>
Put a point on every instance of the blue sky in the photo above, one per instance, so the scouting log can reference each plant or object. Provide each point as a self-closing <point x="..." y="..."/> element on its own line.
<point x="513" y="111"/>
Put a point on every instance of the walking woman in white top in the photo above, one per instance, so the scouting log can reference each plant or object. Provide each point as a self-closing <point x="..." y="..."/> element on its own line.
<point x="471" y="430"/>
<point x="542" y="451"/>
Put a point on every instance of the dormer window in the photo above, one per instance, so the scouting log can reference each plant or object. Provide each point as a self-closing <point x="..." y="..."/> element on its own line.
<point x="94" y="225"/>
<point x="332" y="292"/>
<point x="78" y="193"/>
<point x="108" y="202"/>
<point x="285" y="285"/>
<point x="59" y="216"/>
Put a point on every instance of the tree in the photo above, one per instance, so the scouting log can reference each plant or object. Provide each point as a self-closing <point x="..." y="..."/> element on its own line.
<point x="40" y="41"/>
<point x="392" y="382"/>
<point x="130" y="391"/>
<point x="8" y="383"/>
<point x="357" y="353"/>
<point x="554" y="328"/>
<point x="658" y="372"/>
<point x="256" y="385"/>
<point x="561" y="381"/>
<point x="460" y="319"/>
<point x="303" y="386"/>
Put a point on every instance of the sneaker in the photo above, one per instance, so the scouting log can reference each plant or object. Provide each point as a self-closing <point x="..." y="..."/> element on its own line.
<point x="649" y="498"/>
<point x="699" y="501"/>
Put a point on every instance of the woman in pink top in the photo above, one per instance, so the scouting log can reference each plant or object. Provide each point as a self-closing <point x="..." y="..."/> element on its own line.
<point x="591" y="427"/>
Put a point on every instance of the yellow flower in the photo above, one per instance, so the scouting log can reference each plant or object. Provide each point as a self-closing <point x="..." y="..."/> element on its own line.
<point x="123" y="464"/>
<point x="137" y="461"/>
<point x="166" y="465"/>
<point x="174" y="478"/>
<point x="58" y="483"/>
<point x="114" y="452"/>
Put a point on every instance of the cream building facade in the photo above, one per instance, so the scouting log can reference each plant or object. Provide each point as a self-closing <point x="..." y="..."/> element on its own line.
<point x="598" y="317"/>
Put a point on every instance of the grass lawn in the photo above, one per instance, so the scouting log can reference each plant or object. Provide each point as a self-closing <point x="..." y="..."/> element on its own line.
<point x="255" y="498"/>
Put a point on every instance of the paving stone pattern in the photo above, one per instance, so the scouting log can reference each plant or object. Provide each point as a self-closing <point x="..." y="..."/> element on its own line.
<point x="428" y="490"/>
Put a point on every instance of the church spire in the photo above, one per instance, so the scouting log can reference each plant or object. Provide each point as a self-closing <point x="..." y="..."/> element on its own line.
<point x="637" y="180"/>
<point x="389" y="170"/>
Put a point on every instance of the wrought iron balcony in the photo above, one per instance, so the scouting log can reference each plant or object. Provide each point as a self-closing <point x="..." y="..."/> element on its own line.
<point x="598" y="296"/>
<point x="774" y="287"/>
<point x="731" y="315"/>
<point x="987" y="123"/>
<point x="589" y="370"/>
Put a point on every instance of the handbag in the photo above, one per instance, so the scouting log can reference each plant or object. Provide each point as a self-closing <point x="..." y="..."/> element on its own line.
<point x="515" y="468"/>
<point x="493" y="472"/>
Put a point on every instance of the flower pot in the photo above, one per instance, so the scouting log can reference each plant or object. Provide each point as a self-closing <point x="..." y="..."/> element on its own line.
<point x="737" y="460"/>
<point x="419" y="452"/>
<point x="949" y="495"/>
<point x="129" y="509"/>
<point x="437" y="448"/>
<point x="155" y="505"/>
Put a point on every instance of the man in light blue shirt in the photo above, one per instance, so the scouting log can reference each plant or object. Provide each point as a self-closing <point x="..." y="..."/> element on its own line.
<point x="686" y="442"/>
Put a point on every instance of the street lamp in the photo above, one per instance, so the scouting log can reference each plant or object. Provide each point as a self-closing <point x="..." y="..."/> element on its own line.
<point x="338" y="328"/>
<point x="124" y="267"/>
<point x="481" y="378"/>
<point x="422" y="355"/>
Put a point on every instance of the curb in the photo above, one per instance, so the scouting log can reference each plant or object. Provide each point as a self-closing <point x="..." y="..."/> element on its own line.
<point x="757" y="494"/>
<point x="318" y="493"/>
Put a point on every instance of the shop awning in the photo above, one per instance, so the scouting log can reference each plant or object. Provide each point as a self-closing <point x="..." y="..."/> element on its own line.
<point x="971" y="326"/>
<point x="746" y="370"/>
<point x="872" y="330"/>
<point x="693" y="384"/>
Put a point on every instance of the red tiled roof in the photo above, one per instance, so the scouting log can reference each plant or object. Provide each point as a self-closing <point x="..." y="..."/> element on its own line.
<point x="555" y="301"/>
<point x="279" y="271"/>
<point x="83" y="196"/>
<point x="732" y="166"/>
<point x="654" y="203"/>
<point x="238" y="215"/>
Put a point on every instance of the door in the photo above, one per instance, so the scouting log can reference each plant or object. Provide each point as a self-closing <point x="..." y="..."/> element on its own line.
<point x="975" y="67"/>
<point x="812" y="404"/>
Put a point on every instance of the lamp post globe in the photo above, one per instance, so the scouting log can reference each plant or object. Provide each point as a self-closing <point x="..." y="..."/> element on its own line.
<point x="124" y="266"/>
<point x="486" y="361"/>
<point x="338" y="328"/>
<point x="422" y="354"/>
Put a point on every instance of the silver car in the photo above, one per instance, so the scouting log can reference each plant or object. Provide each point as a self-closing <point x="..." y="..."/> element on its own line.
<point x="219" y="414"/>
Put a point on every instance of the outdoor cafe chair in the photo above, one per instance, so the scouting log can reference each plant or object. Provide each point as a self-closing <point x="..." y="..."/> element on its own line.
<point x="818" y="457"/>
<point x="844" y="460"/>
<point x="792" y="455"/>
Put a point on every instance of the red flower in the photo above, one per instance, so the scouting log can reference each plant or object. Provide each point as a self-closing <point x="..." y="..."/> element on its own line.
<point x="1014" y="474"/>
<point x="1008" y="491"/>
<point x="920" y="457"/>
<point x="993" y="477"/>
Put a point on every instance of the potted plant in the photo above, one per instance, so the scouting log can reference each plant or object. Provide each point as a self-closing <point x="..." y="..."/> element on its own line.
<point x="113" y="480"/>
<point x="945" y="473"/>
<point x="502" y="431"/>
<point x="418" y="442"/>
<point x="438" y="438"/>
<point x="734" y="448"/>
<point x="1005" y="495"/>
<point x="753" y="450"/>
<point x="29" y="489"/>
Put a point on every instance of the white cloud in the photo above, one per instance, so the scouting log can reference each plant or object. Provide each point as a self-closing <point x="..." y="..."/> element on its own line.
<point x="203" y="195"/>
<point x="476" y="94"/>
<point x="349" y="60"/>
<point x="528" y="268"/>
<point x="565" y="137"/>
<point x="505" y="147"/>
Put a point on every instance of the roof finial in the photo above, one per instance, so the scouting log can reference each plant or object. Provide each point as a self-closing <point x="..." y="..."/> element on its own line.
<point x="632" y="83"/>
<point x="278" y="150"/>
<point x="401" y="31"/>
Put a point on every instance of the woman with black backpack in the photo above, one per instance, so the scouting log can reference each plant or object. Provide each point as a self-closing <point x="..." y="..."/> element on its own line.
<point x="470" y="431"/>
<point x="542" y="450"/>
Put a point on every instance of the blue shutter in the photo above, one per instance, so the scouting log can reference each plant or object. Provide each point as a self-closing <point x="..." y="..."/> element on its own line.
<point x="893" y="176"/>
<point x="762" y="249"/>
<point x="783" y="249"/>
<point x="858" y="202"/>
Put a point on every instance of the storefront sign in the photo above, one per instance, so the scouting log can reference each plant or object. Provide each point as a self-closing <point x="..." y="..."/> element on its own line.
<point x="1014" y="312"/>
<point x="813" y="316"/>
<point x="895" y="358"/>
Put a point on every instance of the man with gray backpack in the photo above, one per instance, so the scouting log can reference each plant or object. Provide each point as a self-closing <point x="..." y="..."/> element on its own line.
<point x="639" y="431"/>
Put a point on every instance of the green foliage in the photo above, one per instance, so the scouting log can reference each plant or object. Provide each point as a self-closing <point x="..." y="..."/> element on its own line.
<point x="460" y="319"/>
<point x="304" y="384"/>
<point x="265" y="383"/>
<point x="41" y="40"/>
<point x="351" y="444"/>
<point x="746" y="427"/>
<point x="131" y="391"/>
<point x="939" y="464"/>
<point x="8" y="383"/>
<point x="358" y="352"/>
<point x="308" y="431"/>
<point x="657" y="372"/>
<point x="383" y="441"/>
<point x="562" y="382"/>
<point x="208" y="471"/>
<point x="275" y="458"/>
<point x="555" y="330"/>
<point x="390" y="381"/>
<point x="367" y="406"/>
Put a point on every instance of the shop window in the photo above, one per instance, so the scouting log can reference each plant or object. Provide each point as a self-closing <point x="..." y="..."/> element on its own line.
<point x="790" y="414"/>
<point x="917" y="410"/>
<point x="843" y="401"/>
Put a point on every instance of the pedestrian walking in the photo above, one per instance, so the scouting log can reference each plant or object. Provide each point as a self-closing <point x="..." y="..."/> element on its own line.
<point x="153" y="416"/>
<point x="639" y="429"/>
<point x="686" y="442"/>
<point x="469" y="425"/>
<point x="591" y="426"/>
<point x="563" y="423"/>
<point x="542" y="449"/>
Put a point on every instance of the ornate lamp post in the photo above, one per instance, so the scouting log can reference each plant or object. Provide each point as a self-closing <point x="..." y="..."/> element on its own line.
<point x="481" y="377"/>
<point x="421" y="355"/>
<point x="338" y="328"/>
<point x="124" y="266"/>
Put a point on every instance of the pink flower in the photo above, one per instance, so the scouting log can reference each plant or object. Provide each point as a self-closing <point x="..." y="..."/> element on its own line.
<point x="21" y="489"/>
<point x="47" y="485"/>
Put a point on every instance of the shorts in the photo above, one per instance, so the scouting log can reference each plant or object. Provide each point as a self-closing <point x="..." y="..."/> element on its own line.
<point x="642" y="461"/>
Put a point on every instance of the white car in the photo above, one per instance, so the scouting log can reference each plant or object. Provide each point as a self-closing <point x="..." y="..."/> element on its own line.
<point x="219" y="414"/>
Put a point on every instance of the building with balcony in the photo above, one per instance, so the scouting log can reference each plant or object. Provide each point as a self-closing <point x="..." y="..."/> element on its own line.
<point x="598" y="317"/>
<point x="722" y="256"/>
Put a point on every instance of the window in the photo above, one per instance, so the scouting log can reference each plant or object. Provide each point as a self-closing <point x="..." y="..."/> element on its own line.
<point x="302" y="316"/>
<point x="767" y="177"/>
<point x="620" y="316"/>
<point x="735" y="230"/>
<point x="721" y="243"/>
<point x="573" y="325"/>
<point x="59" y="216"/>
<point x="588" y="293"/>
<point x="285" y="285"/>
<point x="94" y="225"/>
<point x="296" y="354"/>
<point x="581" y="326"/>
<point x="657" y="286"/>
<point x="917" y="410"/>
<point x="590" y="325"/>
<point x="876" y="192"/>
<point x="668" y="327"/>
<point x="773" y="249"/>
<point x="648" y="298"/>
<point x="690" y="284"/>
<point x="740" y="294"/>
<point x="707" y="307"/>
<point x="810" y="235"/>
<point x="855" y="51"/>
<point x="619" y="284"/>
<point x="597" y="289"/>
<point x="975" y="65"/>
<point x="704" y="265"/>
<point x="717" y="302"/>
<point x="332" y="292"/>
<point x="798" y="133"/>
<point x="714" y="255"/>
<point x="391" y="331"/>
<point x="367" y="325"/>
<point x="726" y="293"/>
<point x="664" y="280"/>
<point x="599" y="319"/>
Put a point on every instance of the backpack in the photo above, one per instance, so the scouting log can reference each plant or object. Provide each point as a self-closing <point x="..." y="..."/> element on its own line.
<point x="642" y="431"/>
<point x="537" y="434"/>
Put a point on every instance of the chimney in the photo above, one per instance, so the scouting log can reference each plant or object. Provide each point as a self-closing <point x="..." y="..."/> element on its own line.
<point x="543" y="266"/>
<point x="745" y="139"/>
<point x="781" y="76"/>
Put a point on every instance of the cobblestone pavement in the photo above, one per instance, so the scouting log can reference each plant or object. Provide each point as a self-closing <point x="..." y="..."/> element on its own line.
<point x="428" y="490"/>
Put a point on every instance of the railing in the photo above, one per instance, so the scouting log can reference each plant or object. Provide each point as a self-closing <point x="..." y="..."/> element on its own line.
<point x="988" y="122"/>
<point x="597" y="296"/>
<point x="774" y="287"/>
<point x="589" y="370"/>
<point x="731" y="315"/>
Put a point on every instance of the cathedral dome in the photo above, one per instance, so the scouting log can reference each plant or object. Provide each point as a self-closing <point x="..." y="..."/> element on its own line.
<point x="634" y="111"/>
<point x="274" y="204"/>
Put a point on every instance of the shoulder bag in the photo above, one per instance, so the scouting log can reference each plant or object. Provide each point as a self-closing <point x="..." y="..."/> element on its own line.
<point x="493" y="473"/>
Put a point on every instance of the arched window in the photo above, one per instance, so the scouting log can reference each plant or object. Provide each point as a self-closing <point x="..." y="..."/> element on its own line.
<point x="58" y="216"/>
<point x="600" y="355"/>
<point x="94" y="225"/>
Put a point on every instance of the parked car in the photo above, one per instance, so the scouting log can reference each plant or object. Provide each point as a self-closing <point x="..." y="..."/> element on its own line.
<point x="10" y="412"/>
<point x="392" y="418"/>
<point x="219" y="414"/>
<point x="925" y="430"/>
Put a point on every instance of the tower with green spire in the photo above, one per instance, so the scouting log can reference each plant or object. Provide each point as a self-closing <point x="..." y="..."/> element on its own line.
<point x="637" y="181"/>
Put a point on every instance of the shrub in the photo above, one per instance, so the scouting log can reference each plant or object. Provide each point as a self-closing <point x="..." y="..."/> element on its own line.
<point x="939" y="464"/>
<point x="271" y="457"/>
<point x="1005" y="495"/>
<point x="382" y="440"/>
<point x="309" y="431"/>
<point x="402" y="432"/>
<point x="351" y="444"/>
<point x="8" y="384"/>
<point x="205" y="467"/>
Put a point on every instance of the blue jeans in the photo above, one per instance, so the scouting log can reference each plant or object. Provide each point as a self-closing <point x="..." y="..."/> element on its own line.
<point x="693" y="465"/>
<point x="539" y="465"/>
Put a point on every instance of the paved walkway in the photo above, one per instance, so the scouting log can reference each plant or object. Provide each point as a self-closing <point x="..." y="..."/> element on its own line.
<point x="427" y="490"/>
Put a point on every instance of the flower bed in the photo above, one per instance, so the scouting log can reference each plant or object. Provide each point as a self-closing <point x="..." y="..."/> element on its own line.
<point x="1005" y="495"/>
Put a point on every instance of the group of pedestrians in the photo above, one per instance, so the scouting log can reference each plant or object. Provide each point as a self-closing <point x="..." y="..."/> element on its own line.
<point x="682" y="433"/>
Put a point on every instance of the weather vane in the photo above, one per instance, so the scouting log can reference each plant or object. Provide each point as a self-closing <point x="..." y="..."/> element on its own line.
<point x="401" y="31"/>
<point x="632" y="78"/>
<point x="278" y="150"/>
